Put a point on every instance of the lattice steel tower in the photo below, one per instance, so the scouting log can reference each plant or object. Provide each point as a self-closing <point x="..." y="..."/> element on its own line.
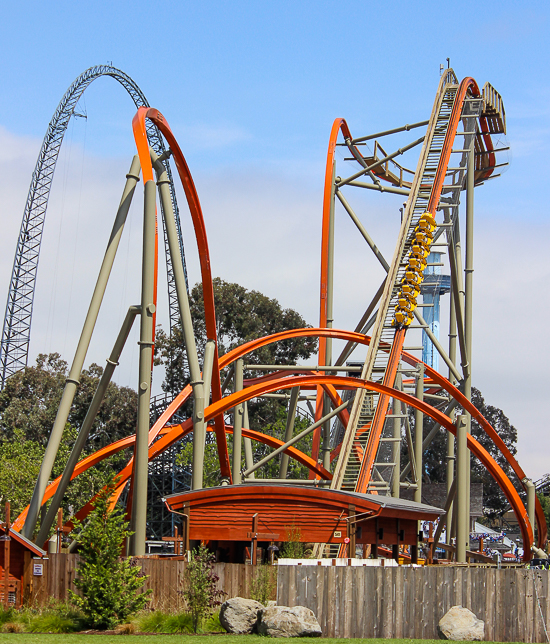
<point x="14" y="348"/>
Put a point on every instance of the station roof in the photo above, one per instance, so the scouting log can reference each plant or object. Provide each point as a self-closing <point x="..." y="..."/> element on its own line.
<point x="283" y="493"/>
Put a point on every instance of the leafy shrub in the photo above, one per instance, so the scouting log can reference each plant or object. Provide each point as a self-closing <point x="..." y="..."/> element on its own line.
<point x="12" y="627"/>
<point x="293" y="548"/>
<point x="202" y="595"/>
<point x="264" y="584"/>
<point x="152" y="622"/>
<point x="179" y="623"/>
<point x="51" y="622"/>
<point x="6" y="615"/>
<point x="213" y="624"/>
<point x="109" y="586"/>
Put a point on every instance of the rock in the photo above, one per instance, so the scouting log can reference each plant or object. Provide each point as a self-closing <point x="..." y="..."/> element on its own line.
<point x="461" y="624"/>
<point x="238" y="615"/>
<point x="272" y="602"/>
<point x="282" y="621"/>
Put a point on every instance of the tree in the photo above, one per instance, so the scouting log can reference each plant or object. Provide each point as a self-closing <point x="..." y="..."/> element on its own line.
<point x="28" y="406"/>
<point x="30" y="399"/>
<point x="201" y="594"/>
<point x="494" y="501"/>
<point x="241" y="315"/>
<point x="109" y="586"/>
<point x="545" y="503"/>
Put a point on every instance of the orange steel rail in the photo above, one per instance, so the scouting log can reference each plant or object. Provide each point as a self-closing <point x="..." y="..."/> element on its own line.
<point x="172" y="434"/>
<point x="138" y="126"/>
<point x="320" y="382"/>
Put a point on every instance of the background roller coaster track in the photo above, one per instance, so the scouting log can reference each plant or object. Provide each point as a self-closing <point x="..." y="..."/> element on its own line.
<point x="162" y="435"/>
<point x="16" y="332"/>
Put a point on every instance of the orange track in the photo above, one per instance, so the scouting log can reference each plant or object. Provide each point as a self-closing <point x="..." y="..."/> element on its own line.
<point x="277" y="381"/>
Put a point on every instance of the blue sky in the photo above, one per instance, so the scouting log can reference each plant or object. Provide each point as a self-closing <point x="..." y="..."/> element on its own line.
<point x="251" y="90"/>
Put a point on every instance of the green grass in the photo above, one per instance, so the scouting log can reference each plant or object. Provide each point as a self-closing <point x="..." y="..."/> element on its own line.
<point x="74" y="638"/>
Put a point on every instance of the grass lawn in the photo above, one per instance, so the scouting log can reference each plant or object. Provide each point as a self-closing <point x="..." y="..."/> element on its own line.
<point x="33" y="638"/>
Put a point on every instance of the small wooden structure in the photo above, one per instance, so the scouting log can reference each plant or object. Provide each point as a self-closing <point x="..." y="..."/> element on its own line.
<point x="20" y="560"/>
<point x="233" y="517"/>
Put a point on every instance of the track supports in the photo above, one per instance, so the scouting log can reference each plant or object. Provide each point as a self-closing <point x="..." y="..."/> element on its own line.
<point x="141" y="461"/>
<point x="73" y="381"/>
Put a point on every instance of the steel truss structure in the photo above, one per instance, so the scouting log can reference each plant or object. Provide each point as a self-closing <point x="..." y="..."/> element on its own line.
<point x="16" y="333"/>
<point x="361" y="422"/>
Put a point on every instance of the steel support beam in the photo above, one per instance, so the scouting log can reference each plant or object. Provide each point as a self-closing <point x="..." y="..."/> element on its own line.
<point x="72" y="382"/>
<point x="289" y="430"/>
<point x="419" y="435"/>
<point x="237" y="424"/>
<point x="463" y="490"/>
<point x="138" y="520"/>
<point x="197" y="383"/>
<point x="396" y="444"/>
<point x="89" y="419"/>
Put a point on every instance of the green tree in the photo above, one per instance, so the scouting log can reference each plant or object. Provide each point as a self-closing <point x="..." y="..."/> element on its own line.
<point x="110" y="587"/>
<point x="545" y="503"/>
<point x="30" y="399"/>
<point x="28" y="406"/>
<point x="494" y="501"/>
<point x="241" y="316"/>
<point x="201" y="594"/>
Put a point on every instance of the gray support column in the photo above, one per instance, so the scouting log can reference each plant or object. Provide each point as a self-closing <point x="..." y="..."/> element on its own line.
<point x="84" y="432"/>
<point x="396" y="445"/>
<point x="207" y="366"/>
<point x="450" y="474"/>
<point x="463" y="491"/>
<point x="325" y="442"/>
<point x="289" y="429"/>
<point x="73" y="380"/>
<point x="531" y="498"/>
<point x="468" y="287"/>
<point x="141" y="458"/>
<point x="419" y="434"/>
<point x="199" y="430"/>
<point x="248" y="452"/>
<point x="237" y="425"/>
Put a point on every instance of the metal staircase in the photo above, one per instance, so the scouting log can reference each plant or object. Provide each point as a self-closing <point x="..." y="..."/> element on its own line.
<point x="359" y="437"/>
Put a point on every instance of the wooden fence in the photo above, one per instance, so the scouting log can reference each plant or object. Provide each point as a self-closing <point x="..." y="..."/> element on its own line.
<point x="403" y="602"/>
<point x="165" y="577"/>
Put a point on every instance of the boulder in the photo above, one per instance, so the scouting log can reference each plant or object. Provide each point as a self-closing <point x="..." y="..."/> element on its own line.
<point x="238" y="615"/>
<point x="459" y="623"/>
<point x="282" y="621"/>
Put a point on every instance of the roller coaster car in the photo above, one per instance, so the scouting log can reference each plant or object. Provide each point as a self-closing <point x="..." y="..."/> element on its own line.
<point x="413" y="277"/>
<point x="410" y="289"/>
<point x="420" y="250"/>
<point x="402" y="318"/>
<point x="424" y="237"/>
<point x="405" y="304"/>
<point x="417" y="264"/>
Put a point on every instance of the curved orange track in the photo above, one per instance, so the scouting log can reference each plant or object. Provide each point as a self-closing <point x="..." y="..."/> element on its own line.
<point x="276" y="381"/>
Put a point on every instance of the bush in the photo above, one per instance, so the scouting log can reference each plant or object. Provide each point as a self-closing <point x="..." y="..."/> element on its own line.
<point x="109" y="586"/>
<point x="293" y="548"/>
<point x="213" y="624"/>
<point x="264" y="584"/>
<point x="51" y="622"/>
<point x="12" y="627"/>
<point x="202" y="595"/>
<point x="6" y="615"/>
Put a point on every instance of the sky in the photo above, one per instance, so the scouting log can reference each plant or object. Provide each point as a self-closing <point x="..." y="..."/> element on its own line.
<point x="250" y="90"/>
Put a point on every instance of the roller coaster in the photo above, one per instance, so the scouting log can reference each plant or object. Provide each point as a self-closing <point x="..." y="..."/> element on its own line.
<point x="361" y="412"/>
